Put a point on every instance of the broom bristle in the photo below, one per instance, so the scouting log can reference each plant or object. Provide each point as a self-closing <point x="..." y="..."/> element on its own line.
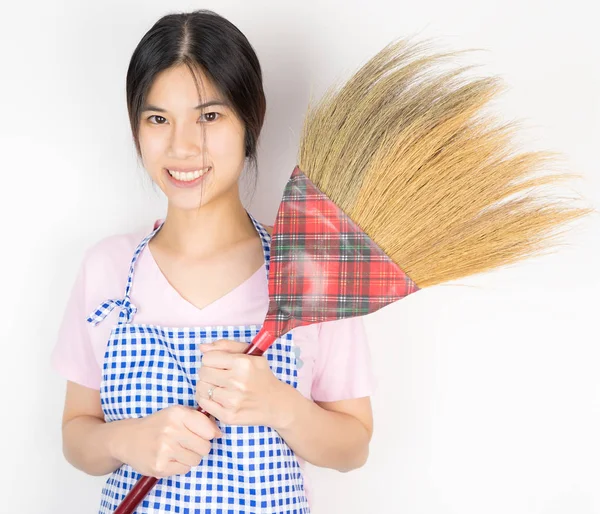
<point x="408" y="154"/>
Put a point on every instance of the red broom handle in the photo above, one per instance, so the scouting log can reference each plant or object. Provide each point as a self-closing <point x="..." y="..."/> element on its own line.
<point x="133" y="498"/>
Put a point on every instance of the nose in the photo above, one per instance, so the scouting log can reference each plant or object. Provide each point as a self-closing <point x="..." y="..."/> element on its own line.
<point x="185" y="141"/>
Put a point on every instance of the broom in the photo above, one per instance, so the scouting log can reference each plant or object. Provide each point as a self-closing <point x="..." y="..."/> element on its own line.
<point x="402" y="183"/>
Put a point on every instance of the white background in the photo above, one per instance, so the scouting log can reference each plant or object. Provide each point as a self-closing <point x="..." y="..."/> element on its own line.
<point x="488" y="391"/>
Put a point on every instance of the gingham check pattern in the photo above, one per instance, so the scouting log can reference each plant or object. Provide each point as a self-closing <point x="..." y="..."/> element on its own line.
<point x="323" y="266"/>
<point x="147" y="368"/>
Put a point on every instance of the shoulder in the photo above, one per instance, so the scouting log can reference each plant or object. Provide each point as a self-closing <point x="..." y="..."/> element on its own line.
<point x="105" y="265"/>
<point x="113" y="250"/>
<point x="269" y="229"/>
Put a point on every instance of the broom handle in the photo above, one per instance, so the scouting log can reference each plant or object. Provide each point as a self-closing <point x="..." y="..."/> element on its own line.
<point x="133" y="498"/>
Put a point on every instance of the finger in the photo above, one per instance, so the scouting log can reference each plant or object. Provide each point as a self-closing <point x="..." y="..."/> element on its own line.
<point x="195" y="443"/>
<point x="225" y="345"/>
<point x="223" y="396"/>
<point x="214" y="409"/>
<point x="214" y="376"/>
<point x="218" y="359"/>
<point x="201" y="425"/>
<point x="173" y="468"/>
<point x="188" y="457"/>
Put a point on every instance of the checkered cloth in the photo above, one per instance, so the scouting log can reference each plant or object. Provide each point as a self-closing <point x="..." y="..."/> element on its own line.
<point x="323" y="266"/>
<point x="147" y="368"/>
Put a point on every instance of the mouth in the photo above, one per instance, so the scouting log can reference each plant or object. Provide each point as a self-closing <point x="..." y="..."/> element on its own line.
<point x="187" y="178"/>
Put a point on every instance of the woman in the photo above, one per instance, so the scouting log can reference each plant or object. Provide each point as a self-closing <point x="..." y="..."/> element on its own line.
<point x="173" y="308"/>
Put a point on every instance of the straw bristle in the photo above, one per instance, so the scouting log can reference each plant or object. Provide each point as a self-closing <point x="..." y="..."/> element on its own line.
<point x="407" y="153"/>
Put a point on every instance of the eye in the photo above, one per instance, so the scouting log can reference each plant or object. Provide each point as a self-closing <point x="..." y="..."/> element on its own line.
<point x="211" y="116"/>
<point x="157" y="117"/>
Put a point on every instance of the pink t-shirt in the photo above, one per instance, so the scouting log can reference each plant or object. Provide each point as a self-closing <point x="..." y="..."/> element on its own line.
<point x="334" y="361"/>
<point x="333" y="364"/>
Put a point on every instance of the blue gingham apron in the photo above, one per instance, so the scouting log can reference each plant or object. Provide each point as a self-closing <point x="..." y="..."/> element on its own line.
<point x="147" y="368"/>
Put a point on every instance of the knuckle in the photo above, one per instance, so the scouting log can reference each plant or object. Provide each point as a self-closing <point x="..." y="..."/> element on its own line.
<point x="243" y="363"/>
<point x="240" y="386"/>
<point x="206" y="447"/>
<point x="166" y="431"/>
<point x="158" y="467"/>
<point x="163" y="445"/>
<point x="182" y="469"/>
<point x="176" y="412"/>
<point x="163" y="429"/>
<point x="235" y="403"/>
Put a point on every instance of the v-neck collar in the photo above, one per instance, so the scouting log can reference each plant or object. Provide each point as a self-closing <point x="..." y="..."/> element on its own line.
<point x="265" y="241"/>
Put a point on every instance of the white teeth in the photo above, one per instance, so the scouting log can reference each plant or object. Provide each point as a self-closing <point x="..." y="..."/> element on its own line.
<point x="188" y="175"/>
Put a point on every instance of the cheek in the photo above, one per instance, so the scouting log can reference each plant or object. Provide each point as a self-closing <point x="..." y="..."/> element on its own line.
<point x="227" y="144"/>
<point x="151" y="147"/>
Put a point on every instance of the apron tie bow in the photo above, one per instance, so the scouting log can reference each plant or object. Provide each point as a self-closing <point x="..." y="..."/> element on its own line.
<point x="125" y="315"/>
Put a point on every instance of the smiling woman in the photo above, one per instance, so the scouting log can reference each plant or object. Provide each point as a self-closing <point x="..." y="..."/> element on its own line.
<point x="136" y="373"/>
<point x="182" y="145"/>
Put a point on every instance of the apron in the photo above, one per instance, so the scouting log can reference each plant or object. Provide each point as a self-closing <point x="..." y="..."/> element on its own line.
<point x="147" y="368"/>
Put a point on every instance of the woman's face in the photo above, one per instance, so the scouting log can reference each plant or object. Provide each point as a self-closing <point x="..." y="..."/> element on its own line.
<point x="172" y="141"/>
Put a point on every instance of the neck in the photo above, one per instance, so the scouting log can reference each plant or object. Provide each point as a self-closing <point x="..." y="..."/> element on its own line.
<point x="206" y="230"/>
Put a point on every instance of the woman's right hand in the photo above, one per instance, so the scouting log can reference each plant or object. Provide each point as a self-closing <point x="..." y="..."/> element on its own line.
<point x="168" y="442"/>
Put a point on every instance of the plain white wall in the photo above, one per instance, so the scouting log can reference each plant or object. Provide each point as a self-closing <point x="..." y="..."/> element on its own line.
<point x="488" y="397"/>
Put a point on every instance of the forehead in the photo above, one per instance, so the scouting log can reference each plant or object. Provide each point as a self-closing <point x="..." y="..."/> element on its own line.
<point x="175" y="88"/>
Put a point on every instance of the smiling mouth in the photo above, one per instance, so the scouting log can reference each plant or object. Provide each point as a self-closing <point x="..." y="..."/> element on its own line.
<point x="188" y="176"/>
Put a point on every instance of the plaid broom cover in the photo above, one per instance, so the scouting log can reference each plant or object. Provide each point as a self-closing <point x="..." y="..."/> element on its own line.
<point x="323" y="266"/>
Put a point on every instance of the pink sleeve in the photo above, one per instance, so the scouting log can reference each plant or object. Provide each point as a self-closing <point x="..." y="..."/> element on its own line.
<point x="342" y="368"/>
<point x="73" y="355"/>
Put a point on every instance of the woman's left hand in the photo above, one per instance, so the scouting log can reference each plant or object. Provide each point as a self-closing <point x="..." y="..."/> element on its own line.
<point x="244" y="389"/>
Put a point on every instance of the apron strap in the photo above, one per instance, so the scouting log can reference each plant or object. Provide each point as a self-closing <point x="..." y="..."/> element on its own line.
<point x="266" y="241"/>
<point x="128" y="309"/>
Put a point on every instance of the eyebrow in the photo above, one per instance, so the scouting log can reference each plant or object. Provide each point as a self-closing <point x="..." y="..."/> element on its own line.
<point x="149" y="107"/>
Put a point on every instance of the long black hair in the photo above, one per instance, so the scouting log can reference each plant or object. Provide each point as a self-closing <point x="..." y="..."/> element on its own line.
<point x="200" y="39"/>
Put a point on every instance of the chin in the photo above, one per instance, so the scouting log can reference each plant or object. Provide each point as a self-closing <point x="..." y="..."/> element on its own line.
<point x="191" y="203"/>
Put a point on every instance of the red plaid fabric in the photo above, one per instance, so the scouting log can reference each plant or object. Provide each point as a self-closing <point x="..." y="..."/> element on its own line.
<point x="323" y="267"/>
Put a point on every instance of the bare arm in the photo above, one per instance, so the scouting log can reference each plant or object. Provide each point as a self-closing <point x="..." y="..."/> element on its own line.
<point x="327" y="434"/>
<point x="168" y="442"/>
<point x="246" y="392"/>
<point x="87" y="440"/>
